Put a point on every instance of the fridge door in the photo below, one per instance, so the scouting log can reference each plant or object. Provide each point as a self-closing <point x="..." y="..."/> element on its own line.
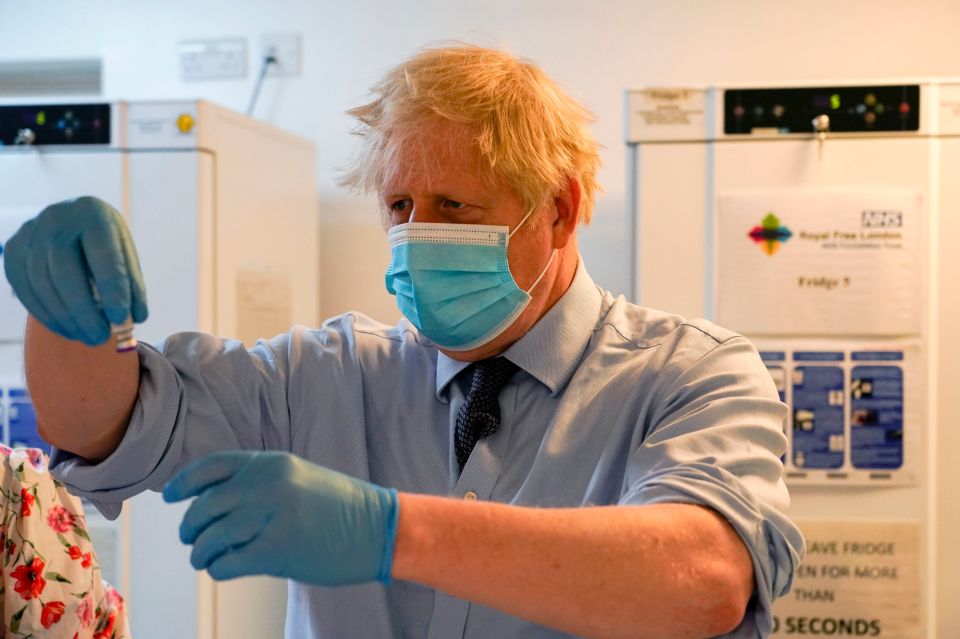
<point x="168" y="197"/>
<point x="167" y="202"/>
<point x="180" y="232"/>
<point x="678" y="189"/>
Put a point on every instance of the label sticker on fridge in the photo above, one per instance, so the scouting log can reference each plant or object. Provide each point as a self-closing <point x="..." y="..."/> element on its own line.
<point x="667" y="113"/>
<point x="820" y="262"/>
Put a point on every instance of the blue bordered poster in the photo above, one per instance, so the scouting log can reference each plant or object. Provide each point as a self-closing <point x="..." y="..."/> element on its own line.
<point x="856" y="411"/>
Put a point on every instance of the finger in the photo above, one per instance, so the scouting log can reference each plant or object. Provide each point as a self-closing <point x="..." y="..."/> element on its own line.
<point x="255" y="558"/>
<point x="213" y="503"/>
<point x="108" y="266"/>
<point x="228" y="534"/>
<point x="138" y="293"/>
<point x="41" y="283"/>
<point x="203" y="473"/>
<point x="69" y="276"/>
<point x="17" y="272"/>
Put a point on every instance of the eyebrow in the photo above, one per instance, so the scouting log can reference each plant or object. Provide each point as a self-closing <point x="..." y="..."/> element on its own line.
<point x="467" y="198"/>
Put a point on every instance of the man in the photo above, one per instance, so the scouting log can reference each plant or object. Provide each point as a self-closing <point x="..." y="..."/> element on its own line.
<point x="525" y="456"/>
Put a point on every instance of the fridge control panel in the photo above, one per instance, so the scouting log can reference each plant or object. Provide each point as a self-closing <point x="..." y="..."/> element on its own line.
<point x="846" y="109"/>
<point x="60" y="124"/>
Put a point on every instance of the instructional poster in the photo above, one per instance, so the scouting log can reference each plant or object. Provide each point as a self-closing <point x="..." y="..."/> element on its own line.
<point x="856" y="411"/>
<point x="820" y="263"/>
<point x="859" y="579"/>
<point x="818" y="410"/>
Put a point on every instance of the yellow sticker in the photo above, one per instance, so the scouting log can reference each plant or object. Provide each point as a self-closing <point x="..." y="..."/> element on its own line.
<point x="185" y="123"/>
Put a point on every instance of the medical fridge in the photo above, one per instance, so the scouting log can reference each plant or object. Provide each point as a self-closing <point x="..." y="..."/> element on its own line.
<point x="823" y="222"/>
<point x="223" y="211"/>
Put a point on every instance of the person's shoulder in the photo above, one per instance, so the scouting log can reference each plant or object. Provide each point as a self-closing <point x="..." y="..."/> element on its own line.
<point x="365" y="333"/>
<point x="670" y="344"/>
<point x="649" y="327"/>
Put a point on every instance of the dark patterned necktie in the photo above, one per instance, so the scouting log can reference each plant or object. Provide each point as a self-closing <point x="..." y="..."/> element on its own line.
<point x="479" y="416"/>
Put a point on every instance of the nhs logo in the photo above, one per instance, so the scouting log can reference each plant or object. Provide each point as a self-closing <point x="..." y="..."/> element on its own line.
<point x="881" y="219"/>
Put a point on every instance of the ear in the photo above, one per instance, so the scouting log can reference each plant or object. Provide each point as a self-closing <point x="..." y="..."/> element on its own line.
<point x="567" y="205"/>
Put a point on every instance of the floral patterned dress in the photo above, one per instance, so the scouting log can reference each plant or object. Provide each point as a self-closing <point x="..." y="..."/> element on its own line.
<point x="50" y="583"/>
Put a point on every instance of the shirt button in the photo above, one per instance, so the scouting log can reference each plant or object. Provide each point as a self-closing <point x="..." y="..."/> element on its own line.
<point x="470" y="496"/>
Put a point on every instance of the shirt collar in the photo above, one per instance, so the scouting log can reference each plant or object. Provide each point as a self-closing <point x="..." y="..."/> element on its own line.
<point x="551" y="350"/>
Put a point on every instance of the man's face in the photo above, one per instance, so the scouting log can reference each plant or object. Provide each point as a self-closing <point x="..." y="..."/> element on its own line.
<point x="441" y="180"/>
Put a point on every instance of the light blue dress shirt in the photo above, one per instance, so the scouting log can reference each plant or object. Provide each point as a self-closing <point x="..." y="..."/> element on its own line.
<point x="614" y="404"/>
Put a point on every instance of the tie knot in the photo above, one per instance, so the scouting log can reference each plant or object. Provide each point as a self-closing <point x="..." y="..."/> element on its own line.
<point x="479" y="416"/>
<point x="490" y="376"/>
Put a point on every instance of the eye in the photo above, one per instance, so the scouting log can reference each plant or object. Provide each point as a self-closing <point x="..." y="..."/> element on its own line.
<point x="400" y="206"/>
<point x="453" y="204"/>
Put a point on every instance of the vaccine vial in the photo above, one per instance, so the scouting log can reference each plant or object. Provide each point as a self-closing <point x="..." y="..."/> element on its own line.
<point x="123" y="334"/>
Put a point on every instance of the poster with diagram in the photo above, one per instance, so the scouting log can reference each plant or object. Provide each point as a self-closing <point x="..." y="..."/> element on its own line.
<point x="856" y="408"/>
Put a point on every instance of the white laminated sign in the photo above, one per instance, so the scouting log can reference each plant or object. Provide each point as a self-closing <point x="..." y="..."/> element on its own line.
<point x="859" y="579"/>
<point x="667" y="113"/>
<point x="820" y="263"/>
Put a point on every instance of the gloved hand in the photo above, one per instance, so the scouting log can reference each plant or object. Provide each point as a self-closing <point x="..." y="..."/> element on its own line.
<point x="53" y="259"/>
<point x="271" y="513"/>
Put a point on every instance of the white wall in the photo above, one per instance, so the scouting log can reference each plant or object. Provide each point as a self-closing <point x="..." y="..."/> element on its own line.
<point x="595" y="49"/>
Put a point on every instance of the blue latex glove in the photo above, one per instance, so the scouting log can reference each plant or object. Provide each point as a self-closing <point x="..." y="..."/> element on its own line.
<point x="53" y="259"/>
<point x="272" y="513"/>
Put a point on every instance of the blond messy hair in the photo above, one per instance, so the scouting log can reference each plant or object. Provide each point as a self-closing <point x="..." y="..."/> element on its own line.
<point x="528" y="132"/>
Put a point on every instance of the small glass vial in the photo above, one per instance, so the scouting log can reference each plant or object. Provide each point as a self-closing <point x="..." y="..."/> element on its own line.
<point x="123" y="333"/>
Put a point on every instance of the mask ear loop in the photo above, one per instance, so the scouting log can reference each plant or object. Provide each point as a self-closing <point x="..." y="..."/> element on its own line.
<point x="546" y="268"/>
<point x="553" y="254"/>
<point x="522" y="222"/>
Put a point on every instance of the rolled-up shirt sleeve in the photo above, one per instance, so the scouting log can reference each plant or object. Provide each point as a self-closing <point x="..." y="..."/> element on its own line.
<point x="199" y="394"/>
<point x="715" y="439"/>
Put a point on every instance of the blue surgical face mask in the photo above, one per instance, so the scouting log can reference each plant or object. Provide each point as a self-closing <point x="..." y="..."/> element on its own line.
<point x="453" y="281"/>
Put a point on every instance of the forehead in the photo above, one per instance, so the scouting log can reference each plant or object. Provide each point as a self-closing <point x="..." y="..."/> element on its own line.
<point x="437" y="158"/>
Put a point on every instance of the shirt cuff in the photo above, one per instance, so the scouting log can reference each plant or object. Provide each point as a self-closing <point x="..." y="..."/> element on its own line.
<point x="148" y="453"/>
<point x="773" y="541"/>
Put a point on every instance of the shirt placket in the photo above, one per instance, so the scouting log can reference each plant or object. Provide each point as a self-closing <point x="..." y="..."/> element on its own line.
<point x="476" y="483"/>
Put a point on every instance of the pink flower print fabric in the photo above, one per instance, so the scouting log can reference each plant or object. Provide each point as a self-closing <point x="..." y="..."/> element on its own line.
<point x="50" y="583"/>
